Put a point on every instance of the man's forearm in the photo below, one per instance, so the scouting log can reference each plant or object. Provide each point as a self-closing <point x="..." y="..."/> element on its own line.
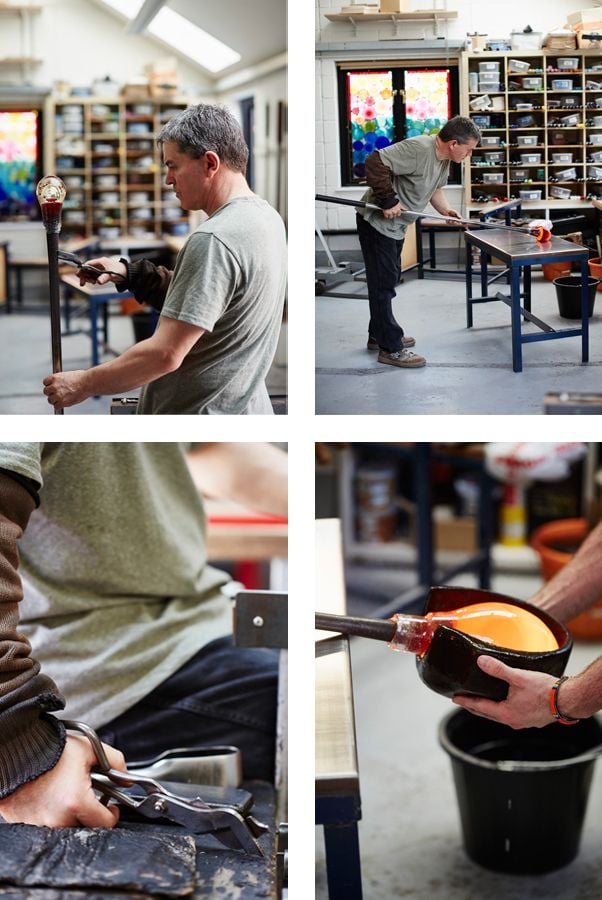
<point x="581" y="696"/>
<point x="579" y="585"/>
<point x="140" y="364"/>
<point x="439" y="202"/>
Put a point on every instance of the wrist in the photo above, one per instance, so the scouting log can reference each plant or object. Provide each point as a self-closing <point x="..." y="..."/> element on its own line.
<point x="563" y="706"/>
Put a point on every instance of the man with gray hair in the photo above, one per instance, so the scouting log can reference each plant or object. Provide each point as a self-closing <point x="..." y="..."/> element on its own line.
<point x="221" y="307"/>
<point x="403" y="176"/>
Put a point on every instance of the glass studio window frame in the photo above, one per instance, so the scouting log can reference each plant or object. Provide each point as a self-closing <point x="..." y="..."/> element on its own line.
<point x="399" y="125"/>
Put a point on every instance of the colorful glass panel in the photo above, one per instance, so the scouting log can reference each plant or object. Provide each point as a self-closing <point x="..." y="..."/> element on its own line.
<point x="427" y="101"/>
<point x="18" y="155"/>
<point x="370" y="111"/>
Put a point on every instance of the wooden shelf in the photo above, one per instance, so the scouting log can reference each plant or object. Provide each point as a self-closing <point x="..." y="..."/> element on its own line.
<point x="128" y="176"/>
<point x="545" y="125"/>
<point x="421" y="14"/>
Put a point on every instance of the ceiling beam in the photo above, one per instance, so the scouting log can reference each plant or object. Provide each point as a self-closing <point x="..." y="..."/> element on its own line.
<point x="146" y="14"/>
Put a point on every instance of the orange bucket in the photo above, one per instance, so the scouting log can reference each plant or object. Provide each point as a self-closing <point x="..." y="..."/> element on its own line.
<point x="555" y="270"/>
<point x="554" y="542"/>
<point x="595" y="269"/>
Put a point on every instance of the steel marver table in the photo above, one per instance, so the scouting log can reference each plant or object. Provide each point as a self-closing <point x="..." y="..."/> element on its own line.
<point x="521" y="251"/>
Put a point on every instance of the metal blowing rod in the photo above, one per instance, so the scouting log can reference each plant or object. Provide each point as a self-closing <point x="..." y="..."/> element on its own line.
<point x="379" y="630"/>
<point x="51" y="193"/>
<point x="423" y="215"/>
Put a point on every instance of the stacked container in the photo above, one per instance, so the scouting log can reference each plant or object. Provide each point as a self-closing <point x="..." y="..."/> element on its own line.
<point x="489" y="76"/>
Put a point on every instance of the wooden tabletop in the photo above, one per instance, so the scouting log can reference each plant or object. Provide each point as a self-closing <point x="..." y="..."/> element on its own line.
<point x="236" y="533"/>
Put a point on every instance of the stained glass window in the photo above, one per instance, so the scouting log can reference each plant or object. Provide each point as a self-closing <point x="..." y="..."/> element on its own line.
<point x="370" y="111"/>
<point x="18" y="157"/>
<point x="427" y="101"/>
<point x="378" y="107"/>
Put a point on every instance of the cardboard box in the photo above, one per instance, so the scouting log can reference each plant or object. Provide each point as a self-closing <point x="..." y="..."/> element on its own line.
<point x="395" y="6"/>
<point x="132" y="92"/>
<point x="589" y="43"/>
<point x="584" y="16"/>
<point x="457" y="533"/>
<point x="561" y="42"/>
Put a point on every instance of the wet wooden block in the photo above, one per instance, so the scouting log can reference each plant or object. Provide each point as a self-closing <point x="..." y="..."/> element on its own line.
<point x="143" y="861"/>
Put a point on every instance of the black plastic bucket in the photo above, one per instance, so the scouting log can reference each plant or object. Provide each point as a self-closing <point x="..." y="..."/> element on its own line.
<point x="522" y="793"/>
<point x="568" y="292"/>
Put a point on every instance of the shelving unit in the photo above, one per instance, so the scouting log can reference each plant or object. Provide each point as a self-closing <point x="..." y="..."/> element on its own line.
<point x="562" y="126"/>
<point x="105" y="151"/>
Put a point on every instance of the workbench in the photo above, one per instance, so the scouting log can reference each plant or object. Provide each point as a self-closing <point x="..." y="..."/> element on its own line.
<point x="220" y="872"/>
<point x="519" y="251"/>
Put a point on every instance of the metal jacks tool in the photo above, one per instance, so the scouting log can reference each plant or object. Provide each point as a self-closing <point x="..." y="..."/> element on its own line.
<point x="51" y="192"/>
<point x="540" y="232"/>
<point x="83" y="267"/>
<point x="152" y="800"/>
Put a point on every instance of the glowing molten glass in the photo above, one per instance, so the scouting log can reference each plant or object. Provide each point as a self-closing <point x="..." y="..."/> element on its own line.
<point x="50" y="193"/>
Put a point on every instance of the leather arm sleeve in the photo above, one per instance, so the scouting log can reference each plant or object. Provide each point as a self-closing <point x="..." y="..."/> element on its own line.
<point x="31" y="740"/>
<point x="147" y="282"/>
<point x="378" y="177"/>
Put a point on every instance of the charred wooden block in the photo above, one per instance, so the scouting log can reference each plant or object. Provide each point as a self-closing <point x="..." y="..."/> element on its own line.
<point x="153" y="863"/>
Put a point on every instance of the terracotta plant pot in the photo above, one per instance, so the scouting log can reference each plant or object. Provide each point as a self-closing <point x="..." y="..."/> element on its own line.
<point x="549" y="541"/>
<point x="595" y="269"/>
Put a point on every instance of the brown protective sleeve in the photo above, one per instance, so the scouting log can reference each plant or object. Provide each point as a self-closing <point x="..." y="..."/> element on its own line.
<point x="31" y="741"/>
<point x="147" y="282"/>
<point x="378" y="177"/>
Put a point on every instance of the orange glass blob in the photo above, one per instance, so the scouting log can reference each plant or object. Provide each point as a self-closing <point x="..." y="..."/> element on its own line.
<point x="501" y="625"/>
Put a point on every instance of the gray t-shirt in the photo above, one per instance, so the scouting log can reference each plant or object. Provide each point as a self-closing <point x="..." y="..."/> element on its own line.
<point x="230" y="279"/>
<point x="118" y="594"/>
<point x="417" y="173"/>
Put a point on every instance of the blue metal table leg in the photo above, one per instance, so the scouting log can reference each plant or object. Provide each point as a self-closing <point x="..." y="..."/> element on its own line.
<point x="343" y="861"/>
<point x="584" y="312"/>
<point x="483" y="274"/>
<point x="419" y="250"/>
<point x="422" y="480"/>
<point x="527" y="287"/>
<point x="517" y="355"/>
<point x="468" y="247"/>
<point x="432" y="249"/>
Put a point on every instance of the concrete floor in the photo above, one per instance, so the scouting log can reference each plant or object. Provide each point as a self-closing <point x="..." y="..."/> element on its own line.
<point x="349" y="379"/>
<point x="410" y="837"/>
<point x="25" y="360"/>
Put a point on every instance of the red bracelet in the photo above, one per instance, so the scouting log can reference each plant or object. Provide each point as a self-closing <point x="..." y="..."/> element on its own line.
<point x="564" y="720"/>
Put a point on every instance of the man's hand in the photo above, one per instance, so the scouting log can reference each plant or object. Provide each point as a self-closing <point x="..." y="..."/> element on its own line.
<point x="104" y="262"/>
<point x="527" y="704"/>
<point x="67" y="388"/>
<point x="394" y="211"/>
<point x="64" y="796"/>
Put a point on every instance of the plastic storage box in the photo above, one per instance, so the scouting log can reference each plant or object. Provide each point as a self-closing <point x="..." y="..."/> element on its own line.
<point x="527" y="140"/>
<point x="530" y="159"/>
<point x="493" y="177"/>
<point x="491" y="141"/>
<point x="595" y="138"/>
<point x="489" y="67"/>
<point x="482" y="121"/>
<point x="560" y="193"/>
<point x="519" y="175"/>
<point x="596" y="157"/>
<point x="516" y="66"/>
<point x="567" y="62"/>
<point x="533" y="84"/>
<point x="562" y="157"/>
<point x="595" y="172"/>
<point x="570" y="120"/>
<point x="562" y="84"/>
<point x="493" y="158"/>
<point x="567" y="174"/>
<point x="529" y="195"/>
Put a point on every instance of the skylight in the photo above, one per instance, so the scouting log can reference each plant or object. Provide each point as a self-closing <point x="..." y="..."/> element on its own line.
<point x="192" y="41"/>
<point x="182" y="35"/>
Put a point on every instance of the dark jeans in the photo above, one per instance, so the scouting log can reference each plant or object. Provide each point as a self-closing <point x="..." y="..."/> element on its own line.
<point x="223" y="695"/>
<point x="382" y="258"/>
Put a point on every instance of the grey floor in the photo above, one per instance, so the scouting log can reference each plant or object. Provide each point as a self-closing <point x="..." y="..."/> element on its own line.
<point x="410" y="839"/>
<point x="25" y="360"/>
<point x="349" y="380"/>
